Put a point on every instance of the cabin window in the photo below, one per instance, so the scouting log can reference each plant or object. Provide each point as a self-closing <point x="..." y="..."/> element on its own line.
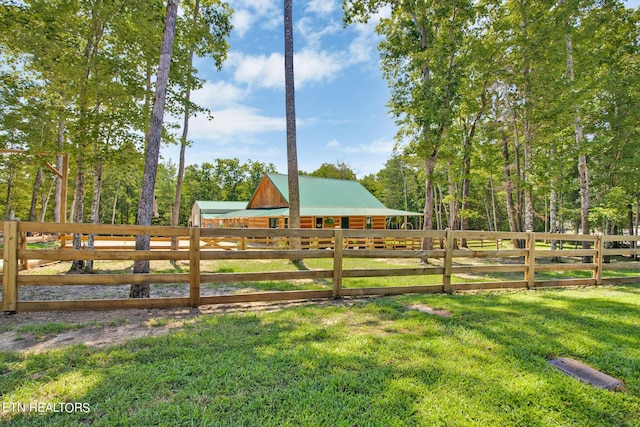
<point x="369" y="223"/>
<point x="273" y="222"/>
<point x="319" y="222"/>
<point x="286" y="222"/>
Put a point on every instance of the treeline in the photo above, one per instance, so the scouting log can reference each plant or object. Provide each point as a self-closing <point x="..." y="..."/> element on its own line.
<point x="513" y="115"/>
<point x="77" y="77"/>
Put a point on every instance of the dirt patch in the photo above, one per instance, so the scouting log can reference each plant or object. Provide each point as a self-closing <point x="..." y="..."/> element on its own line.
<point x="429" y="310"/>
<point x="100" y="329"/>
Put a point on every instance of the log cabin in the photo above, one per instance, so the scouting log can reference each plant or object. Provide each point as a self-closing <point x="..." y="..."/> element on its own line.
<point x="324" y="203"/>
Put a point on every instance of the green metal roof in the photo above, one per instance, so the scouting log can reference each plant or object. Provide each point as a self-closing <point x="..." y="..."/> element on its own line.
<point x="318" y="212"/>
<point x="326" y="192"/>
<point x="210" y="207"/>
<point x="250" y="213"/>
<point x="319" y="197"/>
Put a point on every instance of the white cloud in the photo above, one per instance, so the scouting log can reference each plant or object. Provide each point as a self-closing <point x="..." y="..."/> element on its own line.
<point x="333" y="144"/>
<point x="268" y="71"/>
<point x="313" y="34"/>
<point x="242" y="21"/>
<point x="258" y="70"/>
<point x="218" y="95"/>
<point x="379" y="146"/>
<point x="322" y="7"/>
<point x="237" y="123"/>
<point x="251" y="13"/>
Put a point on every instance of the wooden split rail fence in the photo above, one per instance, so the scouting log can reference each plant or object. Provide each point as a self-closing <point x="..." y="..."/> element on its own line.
<point x="204" y="244"/>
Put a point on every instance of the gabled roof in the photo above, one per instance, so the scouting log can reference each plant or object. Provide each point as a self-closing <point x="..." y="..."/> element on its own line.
<point x="327" y="193"/>
<point x="211" y="207"/>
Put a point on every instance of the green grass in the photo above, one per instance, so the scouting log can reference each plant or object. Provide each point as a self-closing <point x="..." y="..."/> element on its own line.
<point x="41" y="330"/>
<point x="374" y="363"/>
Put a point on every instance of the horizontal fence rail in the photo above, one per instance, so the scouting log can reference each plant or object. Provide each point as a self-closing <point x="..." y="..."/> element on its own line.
<point x="515" y="257"/>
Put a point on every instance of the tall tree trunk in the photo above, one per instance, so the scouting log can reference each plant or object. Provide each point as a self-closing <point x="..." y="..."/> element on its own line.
<point x="583" y="170"/>
<point x="145" y="206"/>
<point x="290" y="100"/>
<point x="115" y="203"/>
<point x="508" y="185"/>
<point x="527" y="174"/>
<point x="494" y="206"/>
<point x="95" y="206"/>
<point x="59" y="162"/>
<point x="45" y="200"/>
<point x="175" y="212"/>
<point x="78" y="209"/>
<point x="7" y="208"/>
<point x="34" y="195"/>
<point x="466" y="163"/>
<point x="553" y="207"/>
<point x="429" y="167"/>
<point x="453" y="201"/>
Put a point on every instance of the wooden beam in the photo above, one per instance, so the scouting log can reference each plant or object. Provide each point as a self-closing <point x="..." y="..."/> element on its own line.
<point x="53" y="169"/>
<point x="10" y="267"/>
<point x="530" y="260"/>
<point x="114" y="304"/>
<point x="448" y="261"/>
<point x="194" y="267"/>
<point x="338" y="243"/>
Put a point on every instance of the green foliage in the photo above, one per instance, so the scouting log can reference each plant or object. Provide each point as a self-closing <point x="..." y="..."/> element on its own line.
<point x="497" y="75"/>
<point x="86" y="68"/>
<point x="339" y="170"/>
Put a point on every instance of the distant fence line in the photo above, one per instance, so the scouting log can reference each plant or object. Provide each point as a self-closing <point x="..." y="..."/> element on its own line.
<point x="202" y="244"/>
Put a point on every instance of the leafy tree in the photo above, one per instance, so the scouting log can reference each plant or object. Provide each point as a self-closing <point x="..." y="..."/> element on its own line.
<point x="339" y="170"/>
<point x="422" y="62"/>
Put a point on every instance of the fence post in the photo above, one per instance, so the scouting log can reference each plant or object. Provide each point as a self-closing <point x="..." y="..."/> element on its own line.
<point x="338" y="243"/>
<point x="10" y="267"/>
<point x="194" y="266"/>
<point x="599" y="258"/>
<point x="448" y="261"/>
<point x="530" y="260"/>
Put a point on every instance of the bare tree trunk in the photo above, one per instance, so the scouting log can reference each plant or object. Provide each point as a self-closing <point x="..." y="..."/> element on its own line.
<point x="145" y="206"/>
<point x="429" y="166"/>
<point x="290" y="100"/>
<point x="453" y="202"/>
<point x="115" y="203"/>
<point x="95" y="206"/>
<point x="508" y="186"/>
<point x="528" y="185"/>
<point x="7" y="207"/>
<point x="45" y="200"/>
<point x="34" y="195"/>
<point x="78" y="209"/>
<point x="175" y="212"/>
<point x="58" y="192"/>
<point x="466" y="163"/>
<point x="583" y="170"/>
<point x="553" y="202"/>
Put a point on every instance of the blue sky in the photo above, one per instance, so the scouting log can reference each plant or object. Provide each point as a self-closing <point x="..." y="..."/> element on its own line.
<point x="340" y="92"/>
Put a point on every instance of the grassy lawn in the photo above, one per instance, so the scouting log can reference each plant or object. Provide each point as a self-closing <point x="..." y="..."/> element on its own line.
<point x="374" y="362"/>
